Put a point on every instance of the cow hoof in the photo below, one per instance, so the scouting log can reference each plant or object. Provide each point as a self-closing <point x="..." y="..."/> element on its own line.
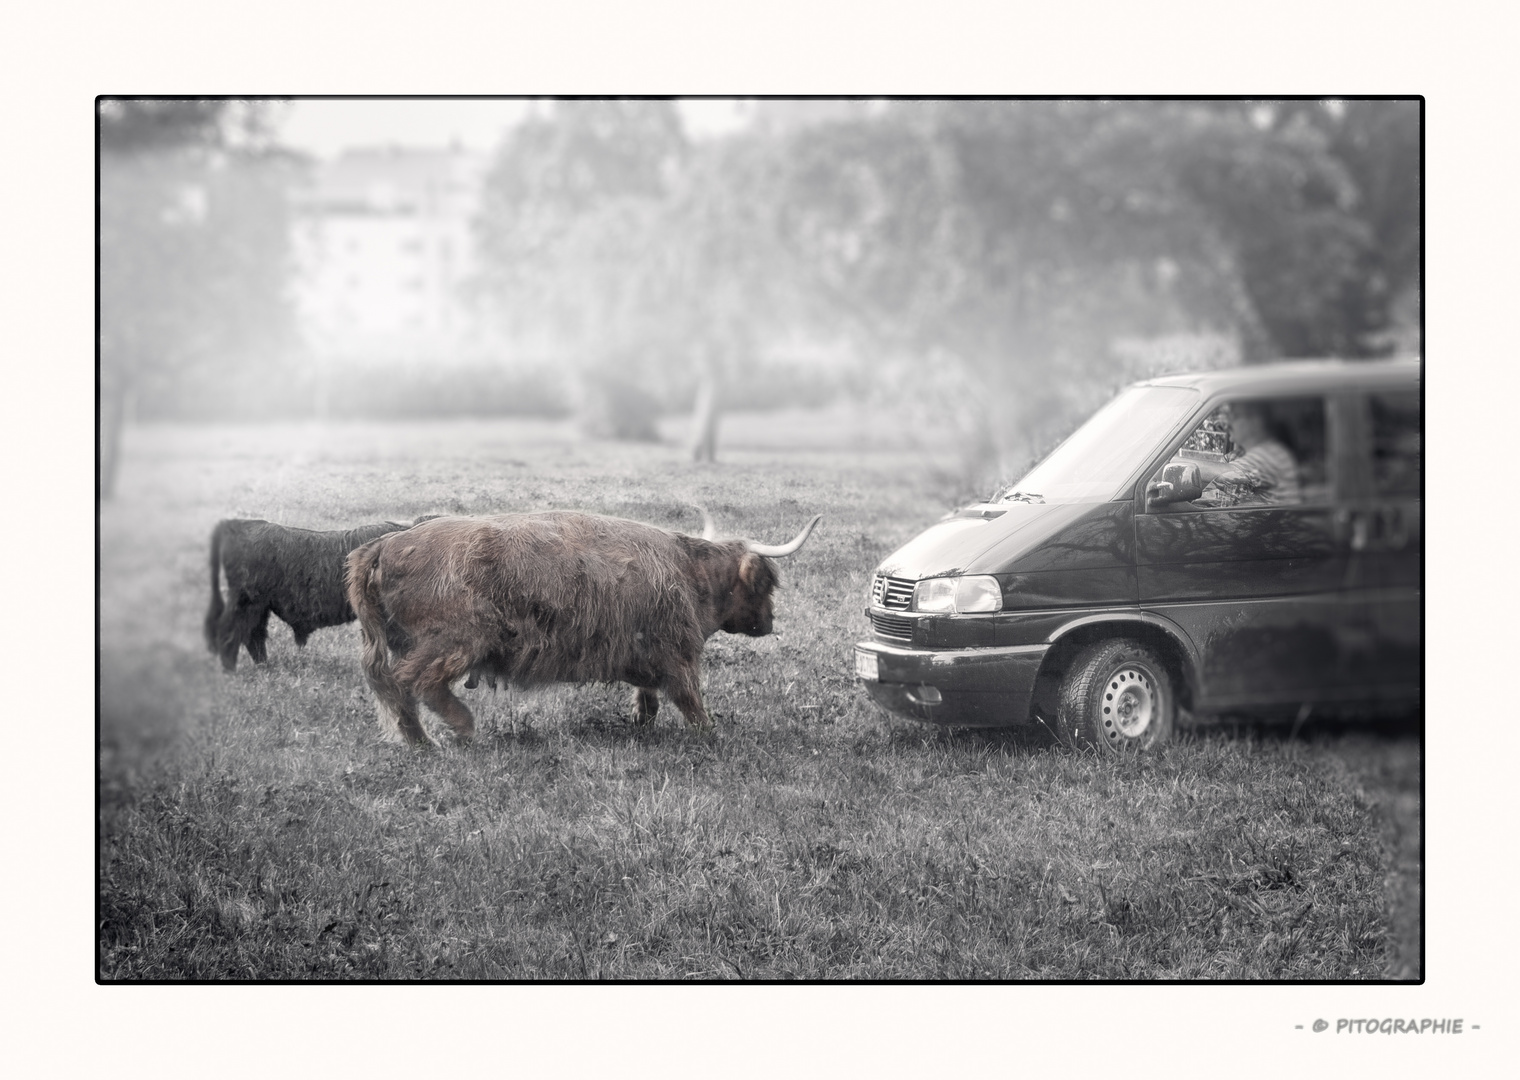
<point x="415" y="739"/>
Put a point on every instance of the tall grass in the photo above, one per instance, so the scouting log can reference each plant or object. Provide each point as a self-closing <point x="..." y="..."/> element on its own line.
<point x="255" y="825"/>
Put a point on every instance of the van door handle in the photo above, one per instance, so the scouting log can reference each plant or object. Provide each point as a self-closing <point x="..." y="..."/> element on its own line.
<point x="1351" y="526"/>
<point x="1394" y="527"/>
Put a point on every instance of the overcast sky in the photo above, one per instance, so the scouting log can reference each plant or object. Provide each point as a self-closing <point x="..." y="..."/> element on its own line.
<point x="324" y="127"/>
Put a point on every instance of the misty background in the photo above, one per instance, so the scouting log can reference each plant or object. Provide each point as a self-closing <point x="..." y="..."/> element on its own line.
<point x="977" y="273"/>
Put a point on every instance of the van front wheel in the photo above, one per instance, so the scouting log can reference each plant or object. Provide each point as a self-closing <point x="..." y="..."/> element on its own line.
<point x="1117" y="698"/>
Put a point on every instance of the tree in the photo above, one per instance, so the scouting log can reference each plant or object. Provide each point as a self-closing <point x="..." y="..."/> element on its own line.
<point x="1018" y="239"/>
<point x="1379" y="145"/>
<point x="651" y="264"/>
<point x="1010" y="241"/>
<point x="732" y="283"/>
<point x="1319" y="203"/>
<point x="192" y="246"/>
<point x="562" y="236"/>
<point x="1002" y="247"/>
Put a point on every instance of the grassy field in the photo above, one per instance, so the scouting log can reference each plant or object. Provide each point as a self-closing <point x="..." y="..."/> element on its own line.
<point x="256" y="826"/>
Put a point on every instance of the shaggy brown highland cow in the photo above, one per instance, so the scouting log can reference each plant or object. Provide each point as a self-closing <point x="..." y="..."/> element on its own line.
<point x="551" y="597"/>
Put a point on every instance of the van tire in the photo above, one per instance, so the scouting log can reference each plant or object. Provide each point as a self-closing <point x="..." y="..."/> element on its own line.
<point x="1116" y="698"/>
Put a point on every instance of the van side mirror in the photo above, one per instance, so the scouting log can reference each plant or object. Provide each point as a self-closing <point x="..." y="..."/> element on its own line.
<point x="1180" y="482"/>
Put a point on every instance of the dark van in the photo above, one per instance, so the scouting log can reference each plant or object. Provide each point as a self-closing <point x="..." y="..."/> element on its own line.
<point x="1241" y="539"/>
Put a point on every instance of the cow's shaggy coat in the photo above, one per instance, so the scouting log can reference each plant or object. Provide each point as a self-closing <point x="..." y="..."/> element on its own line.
<point x="297" y="574"/>
<point x="550" y="597"/>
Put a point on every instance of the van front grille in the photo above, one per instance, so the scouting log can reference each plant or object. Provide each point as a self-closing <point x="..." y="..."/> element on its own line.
<point x="895" y="627"/>
<point x="892" y="593"/>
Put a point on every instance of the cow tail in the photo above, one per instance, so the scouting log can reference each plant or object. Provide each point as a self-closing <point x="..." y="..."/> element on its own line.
<point x="214" y="612"/>
<point x="364" y="598"/>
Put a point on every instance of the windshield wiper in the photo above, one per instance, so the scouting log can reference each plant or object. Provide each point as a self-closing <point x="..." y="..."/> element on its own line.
<point x="1021" y="496"/>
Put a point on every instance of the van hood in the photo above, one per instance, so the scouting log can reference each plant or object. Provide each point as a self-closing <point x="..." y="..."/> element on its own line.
<point x="1016" y="537"/>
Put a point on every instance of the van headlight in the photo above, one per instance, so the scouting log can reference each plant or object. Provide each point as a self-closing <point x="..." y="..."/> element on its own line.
<point x="960" y="595"/>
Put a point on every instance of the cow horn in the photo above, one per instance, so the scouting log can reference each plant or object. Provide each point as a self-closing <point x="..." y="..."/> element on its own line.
<point x="785" y="549"/>
<point x="709" y="530"/>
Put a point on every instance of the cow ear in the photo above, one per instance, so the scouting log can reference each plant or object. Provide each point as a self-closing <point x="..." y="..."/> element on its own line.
<point x="749" y="568"/>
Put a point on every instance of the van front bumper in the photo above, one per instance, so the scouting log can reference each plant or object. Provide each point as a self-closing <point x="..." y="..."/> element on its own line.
<point x="980" y="687"/>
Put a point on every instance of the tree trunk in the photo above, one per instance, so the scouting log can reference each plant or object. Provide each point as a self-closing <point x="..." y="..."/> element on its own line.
<point x="704" y="444"/>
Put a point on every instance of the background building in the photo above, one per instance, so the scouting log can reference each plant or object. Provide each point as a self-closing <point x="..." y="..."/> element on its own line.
<point x="381" y="244"/>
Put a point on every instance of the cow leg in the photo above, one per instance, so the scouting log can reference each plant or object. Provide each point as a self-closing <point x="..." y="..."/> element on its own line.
<point x="399" y="704"/>
<point x="685" y="692"/>
<point x="454" y="712"/>
<point x="646" y="703"/>
<point x="258" y="637"/>
<point x="236" y="630"/>
<point x="228" y="644"/>
<point x="403" y="711"/>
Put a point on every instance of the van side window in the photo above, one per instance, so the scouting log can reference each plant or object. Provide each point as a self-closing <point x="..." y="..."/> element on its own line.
<point x="1252" y="452"/>
<point x="1396" y="443"/>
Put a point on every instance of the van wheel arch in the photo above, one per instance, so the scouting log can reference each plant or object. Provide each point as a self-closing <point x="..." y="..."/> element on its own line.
<point x="1064" y="650"/>
<point x="1116" y="699"/>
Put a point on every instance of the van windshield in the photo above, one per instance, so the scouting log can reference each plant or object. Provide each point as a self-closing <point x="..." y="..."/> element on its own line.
<point x="1102" y="454"/>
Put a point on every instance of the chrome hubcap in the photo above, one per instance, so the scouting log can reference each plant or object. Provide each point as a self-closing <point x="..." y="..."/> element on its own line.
<point x="1129" y="702"/>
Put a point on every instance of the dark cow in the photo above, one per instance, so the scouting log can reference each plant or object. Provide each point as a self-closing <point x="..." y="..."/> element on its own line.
<point x="551" y="597"/>
<point x="295" y="573"/>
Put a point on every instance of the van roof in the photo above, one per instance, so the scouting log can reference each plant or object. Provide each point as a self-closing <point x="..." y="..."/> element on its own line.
<point x="1300" y="376"/>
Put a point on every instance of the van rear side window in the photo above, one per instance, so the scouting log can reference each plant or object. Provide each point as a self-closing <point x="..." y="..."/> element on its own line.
<point x="1396" y="444"/>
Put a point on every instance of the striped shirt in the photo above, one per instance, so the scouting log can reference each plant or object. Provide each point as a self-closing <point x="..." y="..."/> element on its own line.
<point x="1265" y="475"/>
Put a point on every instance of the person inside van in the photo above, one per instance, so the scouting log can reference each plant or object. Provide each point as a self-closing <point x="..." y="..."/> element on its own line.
<point x="1264" y="474"/>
